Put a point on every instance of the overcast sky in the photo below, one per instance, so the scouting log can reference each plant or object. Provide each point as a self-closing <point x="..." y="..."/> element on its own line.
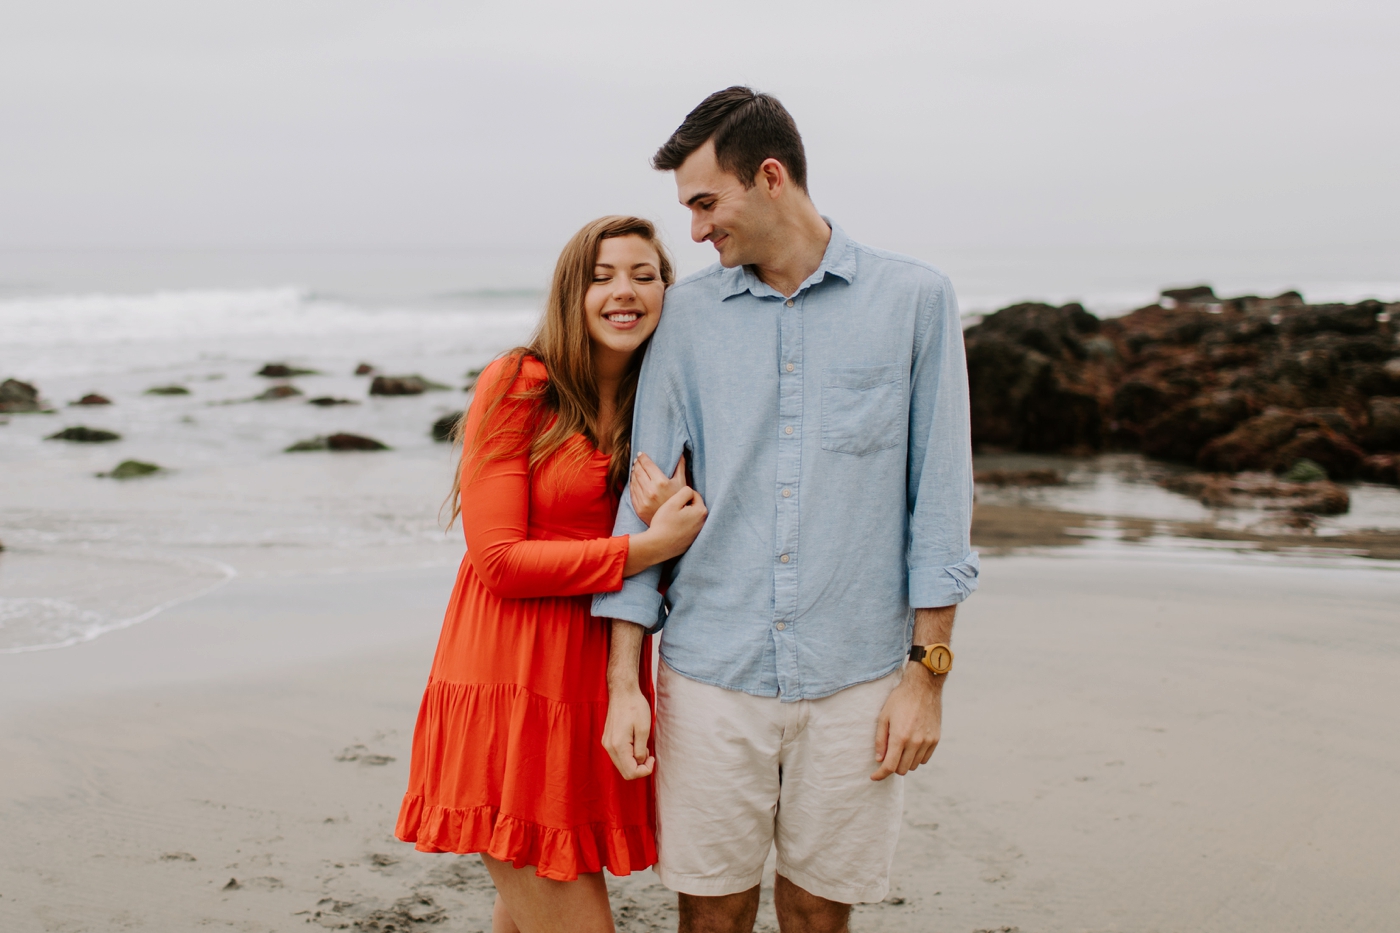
<point x="987" y="124"/>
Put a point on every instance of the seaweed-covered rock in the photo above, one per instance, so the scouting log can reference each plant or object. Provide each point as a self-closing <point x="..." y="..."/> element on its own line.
<point x="82" y="435"/>
<point x="92" y="398"/>
<point x="284" y="371"/>
<point x="1243" y="383"/>
<point x="167" y="390"/>
<point x="404" y="385"/>
<point x="443" y="427"/>
<point x="18" y="396"/>
<point x="130" y="469"/>
<point x="272" y="393"/>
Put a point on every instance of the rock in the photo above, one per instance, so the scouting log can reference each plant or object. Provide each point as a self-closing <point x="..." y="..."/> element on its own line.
<point x="1383" y="423"/>
<point x="1261" y="490"/>
<point x="18" y="396"/>
<point x="364" y="369"/>
<point x="278" y="391"/>
<point x="167" y="390"/>
<point x="283" y="371"/>
<point x="1181" y="432"/>
<point x="403" y="385"/>
<point x="1027" y="366"/>
<point x="82" y="435"/>
<point x="1334" y="453"/>
<point x="1195" y="294"/>
<point x="443" y="427"/>
<point x="128" y="469"/>
<point x="1251" y="445"/>
<point x="337" y="442"/>
<point x="327" y="401"/>
<point x="353" y="442"/>
<point x="1019" y="478"/>
<point x="92" y="399"/>
<point x="1382" y="468"/>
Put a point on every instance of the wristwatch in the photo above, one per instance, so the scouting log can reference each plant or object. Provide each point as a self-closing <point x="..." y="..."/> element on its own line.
<point x="937" y="658"/>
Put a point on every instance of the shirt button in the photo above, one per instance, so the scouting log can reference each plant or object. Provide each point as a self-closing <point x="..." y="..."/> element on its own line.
<point x="784" y="558"/>
<point x="787" y="493"/>
<point x="789" y="302"/>
<point x="787" y="430"/>
<point x="790" y="367"/>
<point x="781" y="626"/>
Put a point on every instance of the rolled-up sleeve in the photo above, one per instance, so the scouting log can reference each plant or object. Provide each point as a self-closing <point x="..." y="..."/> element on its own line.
<point x="658" y="430"/>
<point x="942" y="566"/>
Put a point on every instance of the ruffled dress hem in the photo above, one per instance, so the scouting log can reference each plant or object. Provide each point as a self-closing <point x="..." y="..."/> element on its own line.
<point x="559" y="854"/>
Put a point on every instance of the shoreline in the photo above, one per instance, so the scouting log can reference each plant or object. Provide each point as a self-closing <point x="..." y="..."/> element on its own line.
<point x="1129" y="745"/>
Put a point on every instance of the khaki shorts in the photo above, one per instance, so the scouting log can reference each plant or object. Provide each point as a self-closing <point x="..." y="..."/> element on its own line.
<point x="737" y="774"/>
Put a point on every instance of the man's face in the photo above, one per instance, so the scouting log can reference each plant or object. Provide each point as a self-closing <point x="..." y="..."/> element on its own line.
<point x="733" y="218"/>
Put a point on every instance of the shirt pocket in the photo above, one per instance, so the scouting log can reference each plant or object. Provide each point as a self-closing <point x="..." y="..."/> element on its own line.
<point x="862" y="408"/>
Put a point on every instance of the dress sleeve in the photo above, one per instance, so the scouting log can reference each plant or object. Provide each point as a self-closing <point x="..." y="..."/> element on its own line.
<point x="496" y="512"/>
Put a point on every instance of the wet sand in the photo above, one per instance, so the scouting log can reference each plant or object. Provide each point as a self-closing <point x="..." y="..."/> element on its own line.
<point x="1201" y="744"/>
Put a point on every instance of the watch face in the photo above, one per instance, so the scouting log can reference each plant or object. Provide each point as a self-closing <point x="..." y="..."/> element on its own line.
<point x="939" y="659"/>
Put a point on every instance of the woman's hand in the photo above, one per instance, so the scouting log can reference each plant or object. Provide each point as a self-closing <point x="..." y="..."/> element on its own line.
<point x="674" y="528"/>
<point x="650" y="488"/>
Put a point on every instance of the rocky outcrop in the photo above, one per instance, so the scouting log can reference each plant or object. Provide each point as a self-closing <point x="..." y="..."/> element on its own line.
<point x="82" y="435"/>
<point x="404" y="385"/>
<point x="92" y="398"/>
<point x="1262" y="489"/>
<point x="1225" y="384"/>
<point x="18" y="396"/>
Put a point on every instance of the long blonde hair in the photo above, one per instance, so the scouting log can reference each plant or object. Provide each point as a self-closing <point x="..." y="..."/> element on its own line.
<point x="566" y="404"/>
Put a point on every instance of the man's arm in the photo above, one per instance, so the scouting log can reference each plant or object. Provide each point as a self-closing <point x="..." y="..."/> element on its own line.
<point x="628" y="726"/>
<point x="658" y="430"/>
<point x="941" y="564"/>
<point x="911" y="721"/>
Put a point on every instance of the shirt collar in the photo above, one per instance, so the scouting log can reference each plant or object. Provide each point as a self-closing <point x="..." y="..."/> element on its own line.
<point x="838" y="260"/>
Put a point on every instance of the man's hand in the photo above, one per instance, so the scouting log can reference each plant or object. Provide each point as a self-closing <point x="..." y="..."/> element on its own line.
<point x="911" y="721"/>
<point x="628" y="726"/>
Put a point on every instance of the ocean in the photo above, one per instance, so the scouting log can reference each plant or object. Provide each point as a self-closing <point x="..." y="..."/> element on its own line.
<point x="86" y="554"/>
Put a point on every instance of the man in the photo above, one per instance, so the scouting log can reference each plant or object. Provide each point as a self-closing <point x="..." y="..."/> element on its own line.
<point x="820" y="391"/>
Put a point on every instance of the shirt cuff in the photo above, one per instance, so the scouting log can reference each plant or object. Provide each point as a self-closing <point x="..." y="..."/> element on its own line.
<point x="932" y="587"/>
<point x="635" y="602"/>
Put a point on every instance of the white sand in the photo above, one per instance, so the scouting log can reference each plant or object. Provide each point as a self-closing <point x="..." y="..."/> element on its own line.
<point x="1130" y="746"/>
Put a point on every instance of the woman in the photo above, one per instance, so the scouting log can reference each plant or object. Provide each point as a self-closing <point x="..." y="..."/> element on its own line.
<point x="507" y="757"/>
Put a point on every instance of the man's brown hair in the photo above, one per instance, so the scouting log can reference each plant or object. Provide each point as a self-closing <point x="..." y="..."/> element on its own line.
<point x="747" y="128"/>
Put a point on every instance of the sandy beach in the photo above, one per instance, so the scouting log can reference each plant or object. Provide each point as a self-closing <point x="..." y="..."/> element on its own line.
<point x="1131" y="743"/>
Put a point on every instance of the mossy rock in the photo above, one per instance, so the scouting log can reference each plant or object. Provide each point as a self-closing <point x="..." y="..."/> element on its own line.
<point x="311" y="443"/>
<point x="82" y="435"/>
<point x="168" y="390"/>
<point x="129" y="469"/>
<point x="337" y="442"/>
<point x="1305" y="471"/>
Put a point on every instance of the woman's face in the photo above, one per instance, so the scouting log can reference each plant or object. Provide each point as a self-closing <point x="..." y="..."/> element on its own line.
<point x="623" y="305"/>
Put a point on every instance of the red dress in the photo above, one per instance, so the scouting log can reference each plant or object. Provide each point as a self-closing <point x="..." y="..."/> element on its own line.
<point x="507" y="753"/>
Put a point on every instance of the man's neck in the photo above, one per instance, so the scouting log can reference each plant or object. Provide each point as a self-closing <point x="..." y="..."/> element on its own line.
<point x="800" y="243"/>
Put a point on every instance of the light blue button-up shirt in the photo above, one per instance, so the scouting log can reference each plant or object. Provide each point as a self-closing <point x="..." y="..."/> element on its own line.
<point x="829" y="436"/>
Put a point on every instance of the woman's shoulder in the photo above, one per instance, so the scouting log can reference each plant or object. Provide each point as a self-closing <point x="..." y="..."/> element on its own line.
<point x="511" y="372"/>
